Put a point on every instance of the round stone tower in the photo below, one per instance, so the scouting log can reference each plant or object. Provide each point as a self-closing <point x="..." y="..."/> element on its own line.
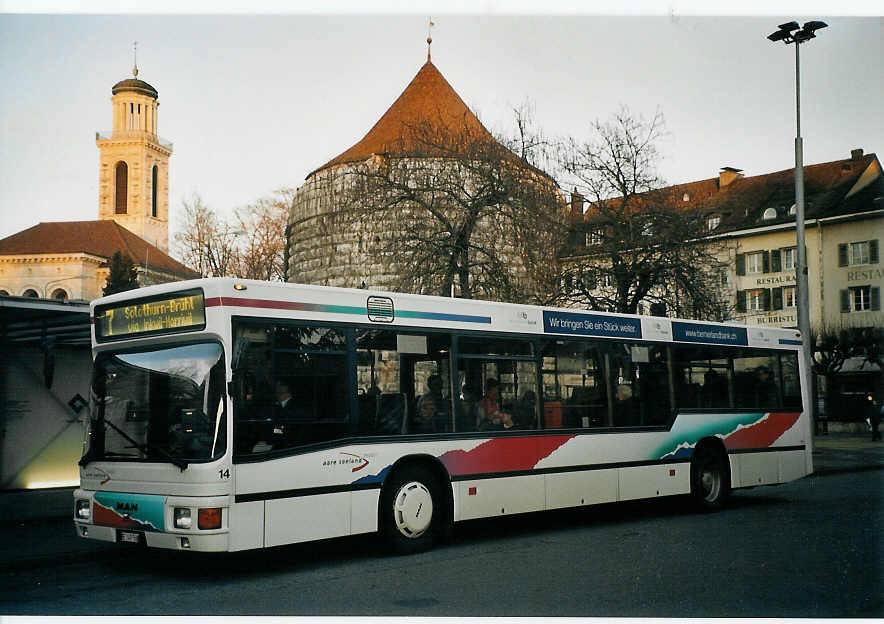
<point x="327" y="246"/>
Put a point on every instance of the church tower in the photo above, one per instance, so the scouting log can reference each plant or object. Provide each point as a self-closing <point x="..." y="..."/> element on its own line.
<point x="133" y="175"/>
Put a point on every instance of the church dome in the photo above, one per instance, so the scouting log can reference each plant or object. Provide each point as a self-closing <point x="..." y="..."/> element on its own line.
<point x="136" y="86"/>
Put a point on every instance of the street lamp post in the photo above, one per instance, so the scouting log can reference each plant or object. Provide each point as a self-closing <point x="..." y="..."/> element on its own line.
<point x="788" y="33"/>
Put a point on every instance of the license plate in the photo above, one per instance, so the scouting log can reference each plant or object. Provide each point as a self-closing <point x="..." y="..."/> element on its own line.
<point x="130" y="537"/>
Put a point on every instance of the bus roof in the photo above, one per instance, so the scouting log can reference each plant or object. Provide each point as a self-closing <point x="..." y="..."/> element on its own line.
<point x="325" y="303"/>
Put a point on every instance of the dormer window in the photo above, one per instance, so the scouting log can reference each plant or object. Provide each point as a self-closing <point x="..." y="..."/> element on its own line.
<point x="792" y="210"/>
<point x="769" y="214"/>
<point x="686" y="197"/>
<point x="712" y="222"/>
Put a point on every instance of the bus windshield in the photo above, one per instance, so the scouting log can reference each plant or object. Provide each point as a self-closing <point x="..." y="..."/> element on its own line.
<point x="160" y="404"/>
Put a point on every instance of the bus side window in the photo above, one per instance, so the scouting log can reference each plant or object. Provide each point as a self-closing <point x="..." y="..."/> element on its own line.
<point x="394" y="372"/>
<point x="574" y="391"/>
<point x="704" y="377"/>
<point x="790" y="382"/>
<point x="756" y="379"/>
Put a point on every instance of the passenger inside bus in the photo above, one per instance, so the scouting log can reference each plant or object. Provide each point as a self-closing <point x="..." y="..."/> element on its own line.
<point x="526" y="411"/>
<point x="432" y="408"/>
<point x="489" y="407"/>
<point x="468" y="417"/>
<point x="625" y="414"/>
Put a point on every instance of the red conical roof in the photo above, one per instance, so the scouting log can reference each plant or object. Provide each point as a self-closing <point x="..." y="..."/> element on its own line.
<point x="427" y="99"/>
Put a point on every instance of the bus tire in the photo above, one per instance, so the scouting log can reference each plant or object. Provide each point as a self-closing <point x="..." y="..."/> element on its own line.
<point x="412" y="510"/>
<point x="710" y="479"/>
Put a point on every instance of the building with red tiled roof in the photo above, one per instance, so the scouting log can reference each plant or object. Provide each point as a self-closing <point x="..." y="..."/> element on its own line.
<point x="69" y="260"/>
<point x="752" y="219"/>
<point x="72" y="257"/>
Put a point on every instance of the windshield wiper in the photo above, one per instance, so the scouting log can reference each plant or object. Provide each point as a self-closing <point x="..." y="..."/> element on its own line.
<point x="179" y="463"/>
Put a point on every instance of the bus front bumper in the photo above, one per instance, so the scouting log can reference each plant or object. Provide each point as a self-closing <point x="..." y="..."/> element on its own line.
<point x="92" y="521"/>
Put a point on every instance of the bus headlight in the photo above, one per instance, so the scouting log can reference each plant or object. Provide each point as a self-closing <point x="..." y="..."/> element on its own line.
<point x="209" y="518"/>
<point x="182" y="518"/>
<point x="83" y="509"/>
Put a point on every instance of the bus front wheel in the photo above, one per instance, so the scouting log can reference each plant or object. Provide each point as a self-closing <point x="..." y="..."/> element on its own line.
<point x="411" y="510"/>
<point x="710" y="479"/>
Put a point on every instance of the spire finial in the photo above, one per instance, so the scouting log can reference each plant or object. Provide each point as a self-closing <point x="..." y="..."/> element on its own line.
<point x="135" y="55"/>
<point x="429" y="38"/>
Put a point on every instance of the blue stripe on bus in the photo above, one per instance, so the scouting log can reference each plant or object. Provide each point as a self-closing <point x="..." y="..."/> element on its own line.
<point x="441" y="316"/>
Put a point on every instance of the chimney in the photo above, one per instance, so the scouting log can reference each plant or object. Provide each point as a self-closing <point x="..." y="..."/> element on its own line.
<point x="728" y="175"/>
<point x="576" y="207"/>
<point x="856" y="154"/>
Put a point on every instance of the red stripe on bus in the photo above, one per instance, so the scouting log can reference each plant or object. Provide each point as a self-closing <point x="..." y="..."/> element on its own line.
<point x="502" y="455"/>
<point x="763" y="433"/>
<point x="256" y="303"/>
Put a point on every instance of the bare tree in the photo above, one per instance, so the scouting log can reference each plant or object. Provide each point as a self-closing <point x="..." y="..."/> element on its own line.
<point x="251" y="246"/>
<point x="206" y="243"/>
<point x="636" y="243"/>
<point x="457" y="212"/>
<point x="262" y="229"/>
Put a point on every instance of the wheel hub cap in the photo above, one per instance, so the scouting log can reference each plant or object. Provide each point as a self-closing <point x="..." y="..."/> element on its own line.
<point x="413" y="509"/>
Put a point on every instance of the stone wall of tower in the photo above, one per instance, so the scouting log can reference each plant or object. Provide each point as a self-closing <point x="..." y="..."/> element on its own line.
<point x="331" y="246"/>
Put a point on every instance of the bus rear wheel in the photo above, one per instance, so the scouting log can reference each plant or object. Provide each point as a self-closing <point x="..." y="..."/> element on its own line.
<point x="412" y="511"/>
<point x="710" y="479"/>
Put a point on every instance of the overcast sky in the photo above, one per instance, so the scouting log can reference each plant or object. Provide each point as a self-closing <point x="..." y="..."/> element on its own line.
<point x="255" y="102"/>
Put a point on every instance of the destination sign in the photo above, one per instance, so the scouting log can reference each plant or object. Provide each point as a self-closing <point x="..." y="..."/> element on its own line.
<point x="178" y="312"/>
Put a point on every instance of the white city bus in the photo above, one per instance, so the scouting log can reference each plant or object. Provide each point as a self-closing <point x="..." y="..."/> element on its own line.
<point x="229" y="414"/>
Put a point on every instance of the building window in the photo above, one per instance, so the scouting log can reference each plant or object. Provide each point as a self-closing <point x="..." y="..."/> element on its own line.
<point x="755" y="263"/>
<point x="858" y="253"/>
<point x="30" y="292"/>
<point x="59" y="293"/>
<point x="770" y="214"/>
<point x="4" y="293"/>
<point x="153" y="191"/>
<point x="860" y="299"/>
<point x="686" y="197"/>
<point x="790" y="257"/>
<point x="595" y="236"/>
<point x="861" y="252"/>
<point x="755" y="300"/>
<point x="789" y="294"/>
<point x="712" y="222"/>
<point x="120" y="187"/>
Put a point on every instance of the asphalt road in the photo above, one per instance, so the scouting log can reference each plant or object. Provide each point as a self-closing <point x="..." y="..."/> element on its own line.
<point x="812" y="548"/>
